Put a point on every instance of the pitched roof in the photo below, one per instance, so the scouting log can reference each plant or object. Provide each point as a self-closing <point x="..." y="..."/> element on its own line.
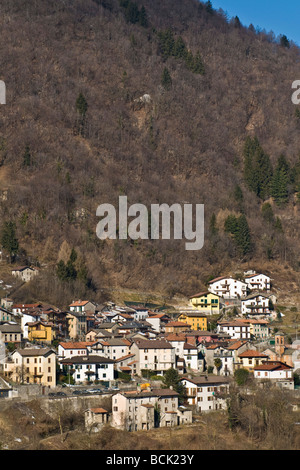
<point x="273" y="365"/>
<point x="152" y="344"/>
<point x="177" y="323"/>
<point x="175" y="337"/>
<point x="207" y="380"/>
<point x="34" y="351"/>
<point x="77" y="344"/>
<point x="158" y="392"/>
<point x="79" y="303"/>
<point x="98" y="410"/>
<point x="193" y="314"/>
<point x="218" y="279"/>
<point x="10" y="328"/>
<point x="90" y="359"/>
<point x="236" y="345"/>
<point x="200" y="294"/>
<point x="252" y="353"/>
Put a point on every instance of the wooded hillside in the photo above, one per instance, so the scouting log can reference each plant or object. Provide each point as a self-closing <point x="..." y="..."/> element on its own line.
<point x="218" y="128"/>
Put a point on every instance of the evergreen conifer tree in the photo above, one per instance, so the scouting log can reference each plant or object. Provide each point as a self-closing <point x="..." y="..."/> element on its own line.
<point x="166" y="79"/>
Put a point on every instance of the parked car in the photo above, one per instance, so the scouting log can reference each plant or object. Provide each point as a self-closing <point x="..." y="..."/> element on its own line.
<point x="57" y="394"/>
<point x="95" y="390"/>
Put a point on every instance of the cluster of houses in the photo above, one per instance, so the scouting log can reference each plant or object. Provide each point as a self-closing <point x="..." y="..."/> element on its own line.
<point x="101" y="343"/>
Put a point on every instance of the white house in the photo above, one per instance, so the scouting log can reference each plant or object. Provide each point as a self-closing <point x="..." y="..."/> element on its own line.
<point x="177" y="341"/>
<point x="25" y="319"/>
<point x="226" y="358"/>
<point x="89" y="368"/>
<point x="235" y="329"/>
<point x="114" y="348"/>
<point x="25" y="273"/>
<point x="155" y="322"/>
<point x="69" y="349"/>
<point x="140" y="313"/>
<point x="256" y="304"/>
<point x="191" y="357"/>
<point x="82" y="306"/>
<point x="228" y="288"/>
<point x="258" y="282"/>
<point x="154" y="355"/>
<point x="147" y="409"/>
<point x="207" y="393"/>
<point x="277" y="372"/>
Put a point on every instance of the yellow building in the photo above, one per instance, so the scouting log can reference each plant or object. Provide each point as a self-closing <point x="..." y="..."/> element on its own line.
<point x="196" y="320"/>
<point x="77" y="325"/>
<point x="31" y="366"/>
<point x="250" y="359"/>
<point x="40" y="331"/>
<point x="207" y="302"/>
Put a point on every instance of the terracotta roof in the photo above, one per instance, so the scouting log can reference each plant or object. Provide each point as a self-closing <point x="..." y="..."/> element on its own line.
<point x="273" y="365"/>
<point x="177" y="323"/>
<point x="175" y="337"/>
<point x="236" y="345"/>
<point x="26" y="305"/>
<point x="123" y="358"/>
<point x="98" y="410"/>
<point x="232" y="323"/>
<point x="189" y="346"/>
<point x="218" y="279"/>
<point x="79" y="303"/>
<point x="77" y="345"/>
<point x="252" y="353"/>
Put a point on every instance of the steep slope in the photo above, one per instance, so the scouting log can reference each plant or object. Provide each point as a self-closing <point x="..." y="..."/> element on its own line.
<point x="184" y="145"/>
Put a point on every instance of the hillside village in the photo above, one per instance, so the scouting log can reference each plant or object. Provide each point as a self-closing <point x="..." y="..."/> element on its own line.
<point x="128" y="352"/>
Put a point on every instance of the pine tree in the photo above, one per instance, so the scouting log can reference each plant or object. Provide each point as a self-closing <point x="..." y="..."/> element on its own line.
<point x="267" y="213"/>
<point x="198" y="66"/>
<point x="284" y="42"/>
<point x="242" y="236"/>
<point x="132" y="13"/>
<point x="9" y="241"/>
<point x="179" y="49"/>
<point x="231" y="224"/>
<point x="238" y="194"/>
<point x="280" y="181"/>
<point x="61" y="270"/>
<point x="166" y="79"/>
<point x="143" y="19"/>
<point x="81" y="107"/>
<point x="257" y="168"/>
<point x="166" y="43"/>
<point x="27" y="157"/>
<point x="238" y="227"/>
<point x="209" y="7"/>
<point x="236" y="22"/>
<point x="213" y="229"/>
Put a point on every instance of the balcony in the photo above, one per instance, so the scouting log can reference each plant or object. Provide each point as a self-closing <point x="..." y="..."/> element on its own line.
<point x="191" y="393"/>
